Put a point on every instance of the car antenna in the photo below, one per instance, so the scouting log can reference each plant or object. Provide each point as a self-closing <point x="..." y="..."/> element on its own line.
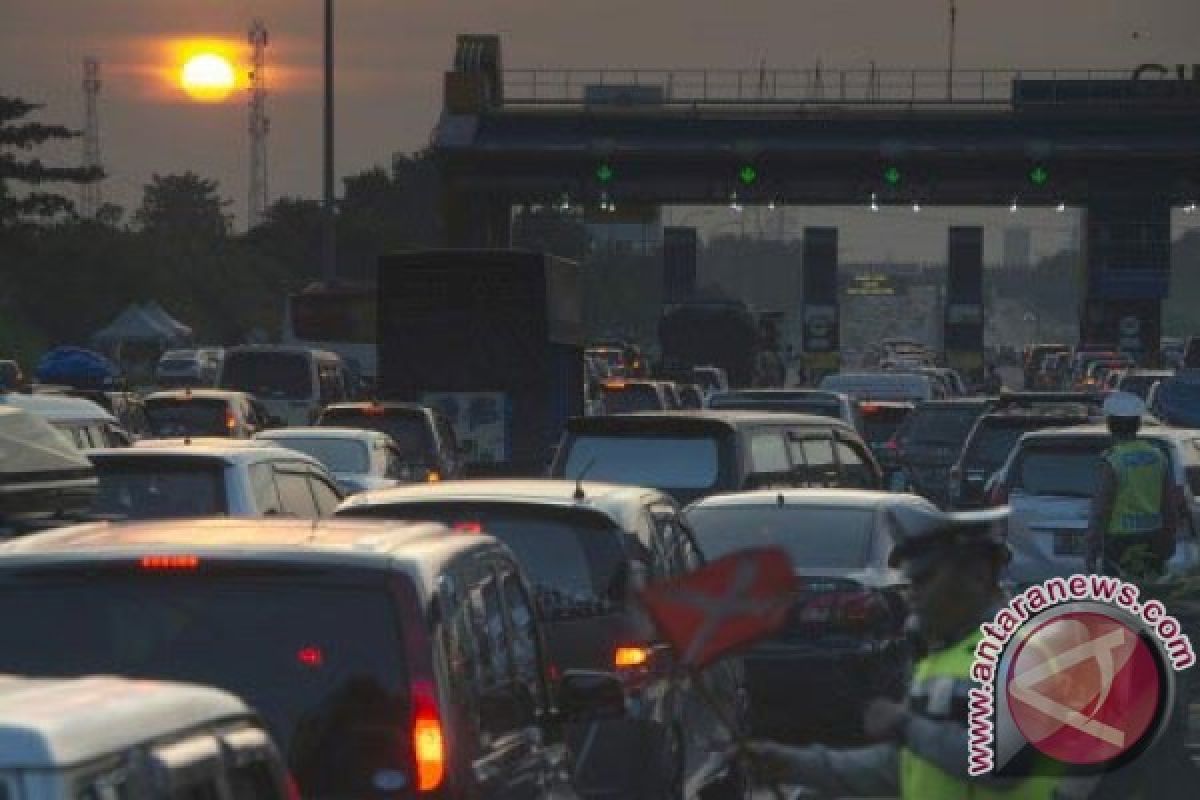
<point x="579" y="493"/>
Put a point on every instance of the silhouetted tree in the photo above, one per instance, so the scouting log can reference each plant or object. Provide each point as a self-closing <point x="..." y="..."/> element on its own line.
<point x="17" y="138"/>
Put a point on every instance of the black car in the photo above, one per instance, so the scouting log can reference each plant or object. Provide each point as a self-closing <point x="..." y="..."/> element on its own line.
<point x="930" y="441"/>
<point x="845" y="642"/>
<point x="622" y="396"/>
<point x="995" y="434"/>
<point x="587" y="547"/>
<point x="388" y="661"/>
<point x="425" y="437"/>
<point x="693" y="454"/>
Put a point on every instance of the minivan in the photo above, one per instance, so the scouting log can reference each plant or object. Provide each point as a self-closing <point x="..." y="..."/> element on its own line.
<point x="294" y="383"/>
<point x="387" y="660"/>
<point x="693" y="454"/>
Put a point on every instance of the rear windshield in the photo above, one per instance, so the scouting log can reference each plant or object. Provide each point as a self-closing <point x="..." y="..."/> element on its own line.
<point x="941" y="425"/>
<point x="1064" y="469"/>
<point x="881" y="423"/>
<point x="631" y="397"/>
<point x="269" y="374"/>
<point x="1178" y="403"/>
<point x="574" y="561"/>
<point x="178" y="364"/>
<point x="321" y="664"/>
<point x="194" y="416"/>
<point x="1139" y="384"/>
<point x="803" y="532"/>
<point x="159" y="488"/>
<point x="661" y="462"/>
<point x="995" y="439"/>
<point x="338" y="455"/>
<point x="409" y="429"/>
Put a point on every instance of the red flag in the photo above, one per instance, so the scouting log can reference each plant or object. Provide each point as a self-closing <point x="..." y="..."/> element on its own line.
<point x="730" y="603"/>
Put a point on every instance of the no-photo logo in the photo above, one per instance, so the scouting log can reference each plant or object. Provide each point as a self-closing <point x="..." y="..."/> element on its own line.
<point x="1084" y="688"/>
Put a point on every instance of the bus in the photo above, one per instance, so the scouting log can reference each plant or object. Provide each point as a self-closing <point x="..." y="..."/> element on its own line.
<point x="340" y="319"/>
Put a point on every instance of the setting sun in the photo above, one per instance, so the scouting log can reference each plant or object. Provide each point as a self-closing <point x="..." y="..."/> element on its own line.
<point x="208" y="77"/>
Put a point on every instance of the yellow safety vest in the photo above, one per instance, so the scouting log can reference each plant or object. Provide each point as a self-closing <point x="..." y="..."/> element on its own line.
<point x="921" y="780"/>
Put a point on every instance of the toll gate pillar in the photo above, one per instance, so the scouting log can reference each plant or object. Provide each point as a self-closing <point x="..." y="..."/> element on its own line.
<point x="820" y="315"/>
<point x="962" y="324"/>
<point x="1126" y="271"/>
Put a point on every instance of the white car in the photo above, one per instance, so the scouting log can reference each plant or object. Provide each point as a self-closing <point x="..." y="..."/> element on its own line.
<point x="85" y="423"/>
<point x="360" y="460"/>
<point x="1049" y="481"/>
<point x="212" y="477"/>
<point x="108" y="737"/>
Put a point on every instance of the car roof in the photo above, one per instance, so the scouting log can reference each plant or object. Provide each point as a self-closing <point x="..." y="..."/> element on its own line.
<point x="697" y="419"/>
<point x="245" y="451"/>
<point x="833" y="498"/>
<point x="202" y="394"/>
<point x="56" y="407"/>
<point x="49" y="724"/>
<point x="361" y="434"/>
<point x="1101" y="431"/>
<point x="619" y="503"/>
<point x="780" y="394"/>
<point x="419" y="549"/>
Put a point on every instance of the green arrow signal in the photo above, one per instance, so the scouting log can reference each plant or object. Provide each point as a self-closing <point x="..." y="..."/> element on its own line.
<point x="748" y="174"/>
<point x="892" y="175"/>
<point x="604" y="173"/>
<point x="1039" y="176"/>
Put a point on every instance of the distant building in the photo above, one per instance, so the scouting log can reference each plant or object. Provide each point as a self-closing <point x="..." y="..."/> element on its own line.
<point x="1018" y="248"/>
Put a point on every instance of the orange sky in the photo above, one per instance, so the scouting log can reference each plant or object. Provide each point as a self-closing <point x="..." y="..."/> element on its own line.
<point x="392" y="52"/>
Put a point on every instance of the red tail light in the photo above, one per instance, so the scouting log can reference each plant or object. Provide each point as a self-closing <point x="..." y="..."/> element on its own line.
<point x="169" y="563"/>
<point x="999" y="495"/>
<point x="293" y="791"/>
<point x="853" y="609"/>
<point x="428" y="739"/>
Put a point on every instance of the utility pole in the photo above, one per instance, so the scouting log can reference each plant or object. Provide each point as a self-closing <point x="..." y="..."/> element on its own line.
<point x="328" y="229"/>
<point x="89" y="201"/>
<point x="950" y="54"/>
<point x="260" y="124"/>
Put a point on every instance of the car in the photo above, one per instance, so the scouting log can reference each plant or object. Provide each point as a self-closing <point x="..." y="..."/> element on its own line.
<point x="693" y="454"/>
<point x="179" y="369"/>
<point x="358" y="459"/>
<point x="44" y="478"/>
<point x="107" y="737"/>
<point x="880" y="421"/>
<point x="1049" y="481"/>
<point x="428" y="445"/>
<point x="587" y="548"/>
<point x="1176" y="400"/>
<point x="797" y="401"/>
<point x="205" y="412"/>
<point x="930" y="441"/>
<point x="621" y="396"/>
<point x="387" y="660"/>
<point x="1035" y="359"/>
<point x="1139" y="381"/>
<point x="992" y="438"/>
<point x="85" y="423"/>
<point x="845" y="641"/>
<point x="294" y="383"/>
<point x="207" y="477"/>
<point x="906" y="387"/>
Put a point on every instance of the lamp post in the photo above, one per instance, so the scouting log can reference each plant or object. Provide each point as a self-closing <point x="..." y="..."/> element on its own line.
<point x="328" y="226"/>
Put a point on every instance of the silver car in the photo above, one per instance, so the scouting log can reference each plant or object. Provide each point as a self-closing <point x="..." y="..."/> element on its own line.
<point x="360" y="460"/>
<point x="1049" y="481"/>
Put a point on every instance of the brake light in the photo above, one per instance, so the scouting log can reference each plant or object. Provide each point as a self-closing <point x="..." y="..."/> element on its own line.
<point x="433" y="476"/>
<point x="614" y="384"/>
<point x="374" y="410"/>
<point x="631" y="657"/>
<point x="230" y="420"/>
<point x="869" y="408"/>
<point x="428" y="741"/>
<point x="311" y="656"/>
<point x="170" y="563"/>
<point x="468" y="526"/>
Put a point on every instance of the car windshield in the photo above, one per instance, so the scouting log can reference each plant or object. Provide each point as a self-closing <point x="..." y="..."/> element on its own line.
<point x="269" y="374"/>
<point x="991" y="444"/>
<point x="1060" y="469"/>
<point x="940" y="425"/>
<point x="159" y="488"/>
<point x="630" y="397"/>
<point x="821" y="406"/>
<point x="815" y="538"/>
<point x="187" y="416"/>
<point x="1178" y="403"/>
<point x="663" y="462"/>
<point x="409" y="429"/>
<point x="323" y="665"/>
<point x="338" y="455"/>
<point x="575" y="561"/>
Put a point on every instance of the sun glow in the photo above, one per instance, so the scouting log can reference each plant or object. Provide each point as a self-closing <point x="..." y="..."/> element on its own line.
<point x="208" y="77"/>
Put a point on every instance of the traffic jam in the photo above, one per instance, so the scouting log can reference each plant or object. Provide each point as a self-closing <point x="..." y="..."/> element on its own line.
<point x="514" y="564"/>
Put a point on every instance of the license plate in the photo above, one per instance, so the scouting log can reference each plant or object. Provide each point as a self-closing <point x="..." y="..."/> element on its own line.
<point x="1069" y="543"/>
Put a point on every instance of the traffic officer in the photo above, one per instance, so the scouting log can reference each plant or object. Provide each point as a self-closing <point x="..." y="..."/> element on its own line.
<point x="1133" y="518"/>
<point x="953" y="562"/>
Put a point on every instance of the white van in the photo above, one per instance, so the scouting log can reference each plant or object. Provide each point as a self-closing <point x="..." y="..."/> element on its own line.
<point x="898" y="386"/>
<point x="105" y="737"/>
<point x="86" y="424"/>
<point x="294" y="383"/>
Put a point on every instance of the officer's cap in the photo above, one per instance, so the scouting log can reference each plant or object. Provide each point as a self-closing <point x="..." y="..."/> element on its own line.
<point x="1124" y="404"/>
<point x="925" y="535"/>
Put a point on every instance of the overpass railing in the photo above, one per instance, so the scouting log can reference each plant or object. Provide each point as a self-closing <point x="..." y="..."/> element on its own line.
<point x="818" y="87"/>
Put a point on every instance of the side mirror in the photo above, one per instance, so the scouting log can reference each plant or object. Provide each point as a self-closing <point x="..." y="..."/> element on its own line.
<point x="590" y="696"/>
